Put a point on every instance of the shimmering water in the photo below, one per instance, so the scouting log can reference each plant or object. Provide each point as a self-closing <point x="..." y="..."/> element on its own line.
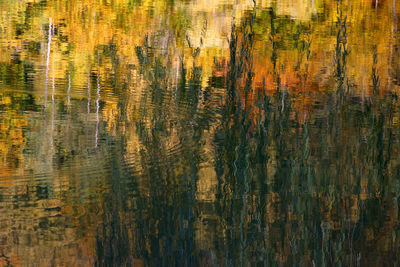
<point x="199" y="133"/>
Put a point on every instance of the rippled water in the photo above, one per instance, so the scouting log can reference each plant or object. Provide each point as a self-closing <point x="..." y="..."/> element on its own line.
<point x="199" y="133"/>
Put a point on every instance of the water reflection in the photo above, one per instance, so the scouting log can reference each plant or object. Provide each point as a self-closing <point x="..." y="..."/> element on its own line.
<point x="197" y="133"/>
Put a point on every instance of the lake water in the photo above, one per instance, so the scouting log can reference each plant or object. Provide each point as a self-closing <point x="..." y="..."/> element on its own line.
<point x="199" y="133"/>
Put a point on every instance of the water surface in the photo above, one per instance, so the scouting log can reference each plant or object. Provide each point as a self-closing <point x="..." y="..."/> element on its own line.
<point x="199" y="133"/>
